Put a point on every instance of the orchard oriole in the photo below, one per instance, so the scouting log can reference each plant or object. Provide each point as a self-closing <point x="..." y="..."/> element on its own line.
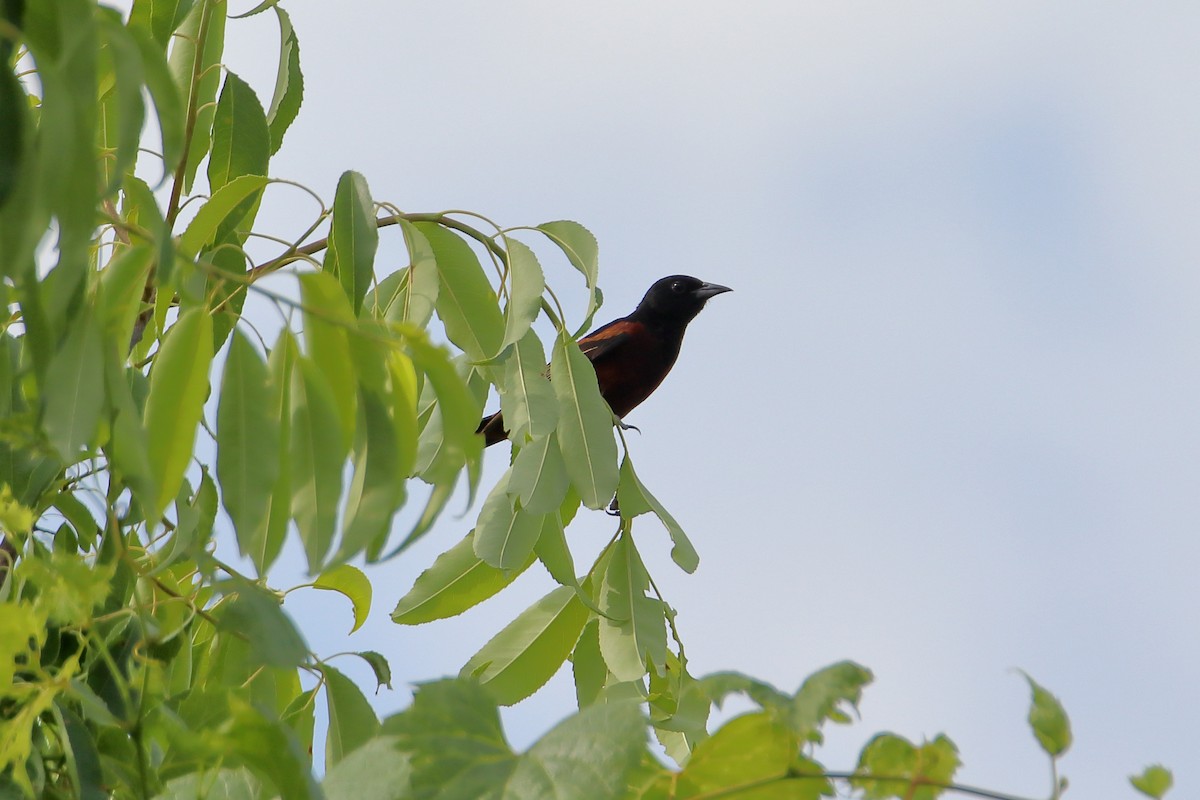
<point x="633" y="354"/>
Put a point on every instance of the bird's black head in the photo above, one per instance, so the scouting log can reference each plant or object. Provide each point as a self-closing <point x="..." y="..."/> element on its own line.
<point x="677" y="299"/>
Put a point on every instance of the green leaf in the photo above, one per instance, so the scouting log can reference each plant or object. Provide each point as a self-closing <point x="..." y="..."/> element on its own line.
<point x="317" y="456"/>
<point x="159" y="17"/>
<point x="205" y="21"/>
<point x="505" y="535"/>
<point x="74" y="389"/>
<point x="124" y="100"/>
<point x="821" y="696"/>
<point x="552" y="551"/>
<point x="589" y="754"/>
<point x="82" y="756"/>
<point x="539" y="477"/>
<point x="353" y="237"/>
<point x="750" y="749"/>
<point x="519" y="660"/>
<point x="379" y="665"/>
<point x="121" y="285"/>
<point x="351" y="720"/>
<point x="14" y="129"/>
<point x="266" y="542"/>
<point x="584" y="425"/>
<point x="528" y="402"/>
<point x="633" y="632"/>
<point x="457" y="581"/>
<point x="351" y="582"/>
<point x="127" y="448"/>
<point x="889" y="756"/>
<point x="377" y="489"/>
<point x="178" y="386"/>
<point x="1048" y="720"/>
<point x="457" y="407"/>
<point x="327" y="323"/>
<point x="254" y="615"/>
<point x="634" y="499"/>
<point x="241" y="143"/>
<point x="587" y="665"/>
<point x="289" y="82"/>
<point x="1155" y="781"/>
<point x="466" y="302"/>
<point x="203" y="228"/>
<point x="270" y="748"/>
<point x="526" y="284"/>
<point x="417" y="303"/>
<point x="247" y="442"/>
<point x="141" y="208"/>
<point x="168" y="105"/>
<point x="375" y="771"/>
<point x="581" y="249"/>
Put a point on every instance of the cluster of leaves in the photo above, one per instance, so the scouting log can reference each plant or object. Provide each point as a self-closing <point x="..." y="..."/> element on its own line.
<point x="135" y="660"/>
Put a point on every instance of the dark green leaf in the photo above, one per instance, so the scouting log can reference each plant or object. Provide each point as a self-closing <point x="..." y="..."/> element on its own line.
<point x="377" y="489"/>
<point x="519" y="660"/>
<point x="353" y="584"/>
<point x="458" y="580"/>
<point x="74" y="389"/>
<point x="265" y="543"/>
<point x="1048" y="720"/>
<point x="289" y="83"/>
<point x="178" y="387"/>
<point x="83" y="758"/>
<point x="316" y="461"/>
<point x="379" y="665"/>
<point x="585" y="433"/>
<point x="241" y="143"/>
<point x="14" y="128"/>
<point x="255" y="617"/>
<point x="353" y="237"/>
<point x="351" y="720"/>
<point x="1155" y="781"/>
<point x="247" y="442"/>
<point x="466" y="302"/>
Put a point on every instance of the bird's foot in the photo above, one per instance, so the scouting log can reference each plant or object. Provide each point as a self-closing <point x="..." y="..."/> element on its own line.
<point x="627" y="427"/>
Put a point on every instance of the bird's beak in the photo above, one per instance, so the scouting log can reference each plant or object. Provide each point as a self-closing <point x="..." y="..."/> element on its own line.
<point x="708" y="290"/>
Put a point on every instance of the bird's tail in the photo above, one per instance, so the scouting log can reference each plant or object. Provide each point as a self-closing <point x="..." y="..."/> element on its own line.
<point x="492" y="429"/>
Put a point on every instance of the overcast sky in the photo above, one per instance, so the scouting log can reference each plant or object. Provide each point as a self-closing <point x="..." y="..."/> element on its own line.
<point x="945" y="426"/>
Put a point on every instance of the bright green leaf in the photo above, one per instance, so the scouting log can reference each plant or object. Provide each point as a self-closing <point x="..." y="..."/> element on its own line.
<point x="1048" y="720"/>
<point x="351" y="720"/>
<point x="266" y="542"/>
<point x="634" y="499"/>
<point x="505" y="535"/>
<point x="178" y="386"/>
<point x="1155" y="781"/>
<point x="585" y="433"/>
<point x="750" y="749"/>
<point x="633" y="631"/>
<point x="519" y="660"/>
<point x="201" y="231"/>
<point x="581" y="249"/>
<point x="289" y="82"/>
<point x="353" y="237"/>
<point x="328" y="323"/>
<point x="552" y="551"/>
<point x="351" y="582"/>
<point x="528" y="401"/>
<point x="457" y="581"/>
<point x="74" y="389"/>
<point x="526" y="284"/>
<point x="539" y="476"/>
<point x="466" y="301"/>
<point x="317" y="456"/>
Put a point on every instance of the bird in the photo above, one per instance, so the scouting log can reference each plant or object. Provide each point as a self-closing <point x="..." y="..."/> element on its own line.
<point x="632" y="355"/>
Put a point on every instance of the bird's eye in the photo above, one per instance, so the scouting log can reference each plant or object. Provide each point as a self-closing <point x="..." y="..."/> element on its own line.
<point x="677" y="287"/>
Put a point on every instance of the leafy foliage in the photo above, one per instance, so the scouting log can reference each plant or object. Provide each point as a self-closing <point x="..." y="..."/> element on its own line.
<point x="135" y="659"/>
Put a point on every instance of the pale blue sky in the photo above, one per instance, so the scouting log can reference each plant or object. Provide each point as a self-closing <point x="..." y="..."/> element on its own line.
<point x="947" y="423"/>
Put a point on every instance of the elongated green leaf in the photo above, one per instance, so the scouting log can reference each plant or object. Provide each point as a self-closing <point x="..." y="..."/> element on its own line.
<point x="633" y="633"/>
<point x="247" y="442"/>
<point x="125" y="99"/>
<point x="74" y="389"/>
<point x="420" y="296"/>
<point x="539" y="476"/>
<point x="377" y="489"/>
<point x="14" y="128"/>
<point x="505" y="535"/>
<point x="202" y="230"/>
<point x="552" y="551"/>
<point x="121" y="285"/>
<point x="127" y="448"/>
<point x="519" y="660"/>
<point x="159" y="17"/>
<point x="585" y="433"/>
<point x="587" y="665"/>
<point x="316" y="461"/>
<point x="241" y="143"/>
<point x="466" y="301"/>
<point x="526" y="284"/>
<point x="635" y="499"/>
<point x="178" y="386"/>
<point x="289" y="82"/>
<point x="204" y="24"/>
<point x="528" y="402"/>
<point x="264" y="544"/>
<point x="327" y="321"/>
<point x="141" y="209"/>
<point x="353" y="237"/>
<point x="581" y="249"/>
<point x="353" y="584"/>
<point x="351" y="720"/>
<point x="457" y="408"/>
<point x="457" y="581"/>
<point x="1048" y="720"/>
<point x="255" y="617"/>
<point x="168" y="105"/>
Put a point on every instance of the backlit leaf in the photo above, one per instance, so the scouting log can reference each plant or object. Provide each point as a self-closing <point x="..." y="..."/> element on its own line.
<point x="201" y="231"/>
<point x="634" y="499"/>
<point x="750" y="749"/>
<point x="328" y="322"/>
<point x="74" y="389"/>
<point x="466" y="301"/>
<point x="633" y="631"/>
<point x="585" y="433"/>
<point x="316" y="461"/>
<point x="528" y="401"/>
<point x="353" y="584"/>
<point x="1155" y="781"/>
<point x="505" y="534"/>
<point x="351" y="719"/>
<point x="1048" y="720"/>
<point x="353" y="237"/>
<point x="526" y="284"/>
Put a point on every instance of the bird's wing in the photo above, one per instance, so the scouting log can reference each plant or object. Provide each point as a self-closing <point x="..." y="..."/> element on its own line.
<point x="607" y="339"/>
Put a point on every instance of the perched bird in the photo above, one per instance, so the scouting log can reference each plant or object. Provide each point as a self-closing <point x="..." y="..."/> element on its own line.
<point x="633" y="354"/>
